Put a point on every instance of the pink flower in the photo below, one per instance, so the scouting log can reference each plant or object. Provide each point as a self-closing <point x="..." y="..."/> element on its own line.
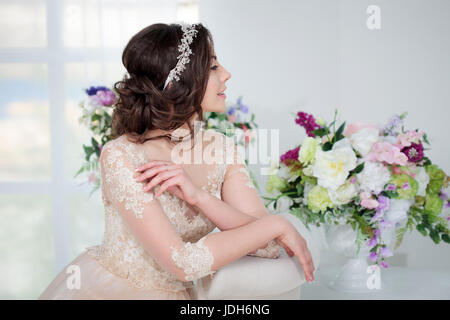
<point x="367" y="201"/>
<point x="232" y="118"/>
<point x="384" y="264"/>
<point x="387" y="152"/>
<point x="357" y="126"/>
<point x="405" y="139"/>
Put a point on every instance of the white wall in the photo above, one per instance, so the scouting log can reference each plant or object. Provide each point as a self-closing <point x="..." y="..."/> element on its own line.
<point x="315" y="56"/>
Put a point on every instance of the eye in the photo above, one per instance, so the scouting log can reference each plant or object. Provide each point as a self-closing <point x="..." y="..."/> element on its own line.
<point x="214" y="67"/>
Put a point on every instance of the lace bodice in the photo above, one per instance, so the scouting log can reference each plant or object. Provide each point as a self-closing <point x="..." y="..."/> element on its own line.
<point x="121" y="252"/>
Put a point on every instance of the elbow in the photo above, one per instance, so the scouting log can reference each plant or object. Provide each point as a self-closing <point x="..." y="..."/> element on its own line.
<point x="181" y="276"/>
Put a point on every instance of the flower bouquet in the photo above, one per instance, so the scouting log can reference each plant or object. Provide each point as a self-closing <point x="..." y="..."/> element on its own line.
<point x="371" y="178"/>
<point x="97" y="109"/>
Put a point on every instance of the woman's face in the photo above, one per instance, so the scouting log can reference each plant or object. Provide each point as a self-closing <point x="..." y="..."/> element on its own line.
<point x="214" y="101"/>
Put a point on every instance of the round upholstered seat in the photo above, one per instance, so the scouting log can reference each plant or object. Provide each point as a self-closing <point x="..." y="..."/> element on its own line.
<point x="254" y="278"/>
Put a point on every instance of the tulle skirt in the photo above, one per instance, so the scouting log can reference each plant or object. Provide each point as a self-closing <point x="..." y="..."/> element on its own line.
<point x="97" y="283"/>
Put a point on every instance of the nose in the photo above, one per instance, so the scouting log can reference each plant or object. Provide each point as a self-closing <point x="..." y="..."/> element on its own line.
<point x="227" y="75"/>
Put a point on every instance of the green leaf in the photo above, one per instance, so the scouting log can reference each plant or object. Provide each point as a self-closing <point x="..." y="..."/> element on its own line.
<point x="421" y="229"/>
<point x="327" y="146"/>
<point x="445" y="238"/>
<point x="399" y="234"/>
<point x="320" y="132"/>
<point x="390" y="194"/>
<point x="435" y="236"/>
<point x="299" y="189"/>
<point x="338" y="134"/>
<point x="359" y="168"/>
<point x="425" y="138"/>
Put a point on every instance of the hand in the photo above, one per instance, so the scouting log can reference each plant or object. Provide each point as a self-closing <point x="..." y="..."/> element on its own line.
<point x="296" y="245"/>
<point x="176" y="181"/>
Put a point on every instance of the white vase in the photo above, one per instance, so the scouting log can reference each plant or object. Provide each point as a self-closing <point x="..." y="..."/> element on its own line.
<point x="354" y="276"/>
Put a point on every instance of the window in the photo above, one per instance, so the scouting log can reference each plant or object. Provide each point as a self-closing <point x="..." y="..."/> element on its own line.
<point x="58" y="48"/>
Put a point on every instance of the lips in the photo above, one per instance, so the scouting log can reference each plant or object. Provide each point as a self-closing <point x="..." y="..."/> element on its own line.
<point x="221" y="92"/>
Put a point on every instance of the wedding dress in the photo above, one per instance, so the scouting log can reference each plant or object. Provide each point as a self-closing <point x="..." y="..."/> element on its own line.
<point x="121" y="267"/>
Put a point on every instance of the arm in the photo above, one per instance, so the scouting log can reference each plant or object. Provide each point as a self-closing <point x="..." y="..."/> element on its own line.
<point x="147" y="221"/>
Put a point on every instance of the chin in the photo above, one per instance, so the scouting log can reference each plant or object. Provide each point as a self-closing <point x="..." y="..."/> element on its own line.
<point x="217" y="108"/>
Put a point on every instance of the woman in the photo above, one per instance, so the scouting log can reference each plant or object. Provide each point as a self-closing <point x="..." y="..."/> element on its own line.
<point x="163" y="192"/>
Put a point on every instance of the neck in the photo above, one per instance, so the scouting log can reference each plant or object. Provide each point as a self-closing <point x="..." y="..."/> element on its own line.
<point x="177" y="133"/>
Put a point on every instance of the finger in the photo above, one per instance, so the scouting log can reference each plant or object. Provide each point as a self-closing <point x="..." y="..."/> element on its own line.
<point x="309" y="257"/>
<point x="167" y="184"/>
<point x="160" y="177"/>
<point x="155" y="170"/>
<point x="306" y="265"/>
<point x="149" y="165"/>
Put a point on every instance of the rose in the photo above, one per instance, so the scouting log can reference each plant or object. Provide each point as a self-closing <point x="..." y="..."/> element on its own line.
<point x="331" y="167"/>
<point x="364" y="139"/>
<point x="373" y="177"/>
<point x="344" y="193"/>
<point x="308" y="150"/>
<point x="318" y="199"/>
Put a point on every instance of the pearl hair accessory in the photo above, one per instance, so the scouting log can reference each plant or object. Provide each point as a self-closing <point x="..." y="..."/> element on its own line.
<point x="189" y="33"/>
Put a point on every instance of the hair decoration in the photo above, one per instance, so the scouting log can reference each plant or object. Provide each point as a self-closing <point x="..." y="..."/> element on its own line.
<point x="189" y="32"/>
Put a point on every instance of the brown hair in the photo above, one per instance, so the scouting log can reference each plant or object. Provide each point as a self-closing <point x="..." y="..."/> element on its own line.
<point x="148" y="57"/>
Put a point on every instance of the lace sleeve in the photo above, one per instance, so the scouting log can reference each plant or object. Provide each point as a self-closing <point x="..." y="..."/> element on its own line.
<point x="272" y="251"/>
<point x="118" y="182"/>
<point x="147" y="221"/>
<point x="239" y="191"/>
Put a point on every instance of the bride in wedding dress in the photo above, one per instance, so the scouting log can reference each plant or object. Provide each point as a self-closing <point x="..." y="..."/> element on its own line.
<point x="167" y="183"/>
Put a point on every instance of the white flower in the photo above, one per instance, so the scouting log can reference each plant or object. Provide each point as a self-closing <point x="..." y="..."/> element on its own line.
<point x="284" y="204"/>
<point x="423" y="179"/>
<point x="332" y="167"/>
<point x="397" y="211"/>
<point x="364" y="139"/>
<point x="344" y="193"/>
<point x="373" y="177"/>
<point x="213" y="122"/>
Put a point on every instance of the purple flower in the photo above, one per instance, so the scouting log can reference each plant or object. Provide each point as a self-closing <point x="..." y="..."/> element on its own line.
<point x="443" y="195"/>
<point x="93" y="90"/>
<point x="406" y="185"/>
<point x="242" y="107"/>
<point x="392" y="125"/>
<point x="385" y="252"/>
<point x="291" y="154"/>
<point x="308" y="122"/>
<point x="414" y="152"/>
<point x="377" y="233"/>
<point x="383" y="203"/>
<point x="373" y="256"/>
<point x="377" y="215"/>
<point x="384" y="264"/>
<point x="372" y="242"/>
<point x="106" y="97"/>
<point x="447" y="205"/>
<point x="231" y="111"/>
<point x="391" y="187"/>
